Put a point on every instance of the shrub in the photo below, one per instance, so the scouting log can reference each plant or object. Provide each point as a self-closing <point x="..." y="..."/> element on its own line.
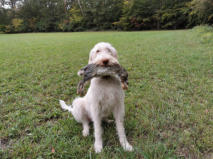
<point x="16" y="23"/>
<point x="205" y="33"/>
<point x="16" y="26"/>
<point x="2" y="28"/>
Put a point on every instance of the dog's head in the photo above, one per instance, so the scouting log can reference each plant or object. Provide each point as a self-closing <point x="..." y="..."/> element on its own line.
<point x="103" y="54"/>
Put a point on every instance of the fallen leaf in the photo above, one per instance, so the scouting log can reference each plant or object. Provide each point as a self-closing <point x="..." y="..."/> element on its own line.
<point x="53" y="150"/>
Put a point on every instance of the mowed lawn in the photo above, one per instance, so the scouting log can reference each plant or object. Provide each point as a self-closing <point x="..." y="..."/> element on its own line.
<point x="169" y="103"/>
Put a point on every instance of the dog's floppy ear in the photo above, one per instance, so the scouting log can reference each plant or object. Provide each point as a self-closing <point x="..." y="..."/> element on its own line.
<point x="90" y="60"/>
<point x="113" y="51"/>
<point x="91" y="54"/>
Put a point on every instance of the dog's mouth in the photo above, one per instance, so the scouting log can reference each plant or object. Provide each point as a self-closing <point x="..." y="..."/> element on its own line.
<point x="106" y="77"/>
<point x="106" y="62"/>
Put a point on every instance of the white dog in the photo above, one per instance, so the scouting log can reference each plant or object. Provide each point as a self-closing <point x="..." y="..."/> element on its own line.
<point x="105" y="96"/>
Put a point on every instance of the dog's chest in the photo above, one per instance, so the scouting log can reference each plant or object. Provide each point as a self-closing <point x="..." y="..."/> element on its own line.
<point x="106" y="108"/>
<point x="107" y="93"/>
<point x="107" y="103"/>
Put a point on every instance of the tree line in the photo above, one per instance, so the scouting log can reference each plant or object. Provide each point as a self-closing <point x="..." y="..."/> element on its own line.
<point x="80" y="15"/>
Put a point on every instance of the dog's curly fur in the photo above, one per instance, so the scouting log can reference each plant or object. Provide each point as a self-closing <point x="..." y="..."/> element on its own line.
<point x="104" y="96"/>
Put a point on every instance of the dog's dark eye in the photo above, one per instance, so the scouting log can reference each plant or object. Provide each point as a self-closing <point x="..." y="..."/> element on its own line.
<point x="97" y="51"/>
<point x="108" y="50"/>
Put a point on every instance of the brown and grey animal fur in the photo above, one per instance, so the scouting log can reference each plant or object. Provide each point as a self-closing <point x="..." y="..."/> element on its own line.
<point x="92" y="70"/>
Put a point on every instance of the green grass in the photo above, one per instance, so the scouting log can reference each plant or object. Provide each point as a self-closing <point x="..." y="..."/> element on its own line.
<point x="169" y="111"/>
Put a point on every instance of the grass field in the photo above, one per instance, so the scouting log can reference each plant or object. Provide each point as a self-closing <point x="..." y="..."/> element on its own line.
<point x="169" y="104"/>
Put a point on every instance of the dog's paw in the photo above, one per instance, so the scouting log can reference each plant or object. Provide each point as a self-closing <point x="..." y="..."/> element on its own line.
<point x="98" y="148"/>
<point x="128" y="147"/>
<point x="85" y="132"/>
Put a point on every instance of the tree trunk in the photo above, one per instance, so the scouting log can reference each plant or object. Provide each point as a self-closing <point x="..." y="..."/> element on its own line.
<point x="79" y="3"/>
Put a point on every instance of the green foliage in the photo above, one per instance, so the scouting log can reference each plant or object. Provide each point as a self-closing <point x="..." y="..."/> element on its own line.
<point x="17" y="24"/>
<point x="205" y="34"/>
<point x="146" y="14"/>
<point x="4" y="16"/>
<point x="2" y="28"/>
<point x="80" y="15"/>
<point x="203" y="10"/>
<point x="100" y="15"/>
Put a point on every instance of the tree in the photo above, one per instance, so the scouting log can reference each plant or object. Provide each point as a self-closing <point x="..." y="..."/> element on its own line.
<point x="203" y="11"/>
<point x="78" y="15"/>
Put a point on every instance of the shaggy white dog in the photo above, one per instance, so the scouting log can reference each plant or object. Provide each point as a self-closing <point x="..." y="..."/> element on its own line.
<point x="104" y="96"/>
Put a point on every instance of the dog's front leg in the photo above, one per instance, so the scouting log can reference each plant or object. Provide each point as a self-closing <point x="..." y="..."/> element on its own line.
<point x="97" y="133"/>
<point x="119" y="120"/>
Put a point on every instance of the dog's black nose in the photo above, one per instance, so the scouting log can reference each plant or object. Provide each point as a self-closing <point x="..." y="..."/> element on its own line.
<point x="105" y="62"/>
